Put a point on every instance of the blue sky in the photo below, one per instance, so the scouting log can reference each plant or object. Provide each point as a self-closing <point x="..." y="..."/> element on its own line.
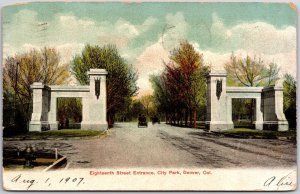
<point x="145" y="32"/>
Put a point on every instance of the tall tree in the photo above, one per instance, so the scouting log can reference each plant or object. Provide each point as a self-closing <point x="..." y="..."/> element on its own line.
<point x="192" y="72"/>
<point x="290" y="99"/>
<point x="121" y="78"/>
<point x="22" y="70"/>
<point x="182" y="83"/>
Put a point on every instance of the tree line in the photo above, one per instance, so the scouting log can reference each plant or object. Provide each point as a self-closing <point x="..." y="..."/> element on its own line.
<point x="179" y="91"/>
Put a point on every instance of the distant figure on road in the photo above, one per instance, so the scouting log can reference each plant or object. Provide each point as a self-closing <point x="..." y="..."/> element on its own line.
<point x="142" y="121"/>
<point x="155" y="119"/>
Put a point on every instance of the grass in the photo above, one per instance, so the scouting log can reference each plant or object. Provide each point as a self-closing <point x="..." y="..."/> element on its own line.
<point x="58" y="134"/>
<point x="260" y="134"/>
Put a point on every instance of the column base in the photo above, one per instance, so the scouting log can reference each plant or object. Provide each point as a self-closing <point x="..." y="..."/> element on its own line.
<point x="218" y="126"/>
<point x="103" y="126"/>
<point x="259" y="125"/>
<point x="276" y="125"/>
<point x="39" y="126"/>
<point x="53" y="125"/>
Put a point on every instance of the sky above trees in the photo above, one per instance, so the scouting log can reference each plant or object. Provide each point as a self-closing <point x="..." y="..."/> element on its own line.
<point x="145" y="33"/>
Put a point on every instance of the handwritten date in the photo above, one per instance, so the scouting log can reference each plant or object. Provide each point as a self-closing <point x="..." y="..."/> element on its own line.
<point x="29" y="183"/>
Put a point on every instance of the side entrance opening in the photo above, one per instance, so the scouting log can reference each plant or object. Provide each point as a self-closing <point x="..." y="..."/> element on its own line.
<point x="69" y="113"/>
<point x="243" y="112"/>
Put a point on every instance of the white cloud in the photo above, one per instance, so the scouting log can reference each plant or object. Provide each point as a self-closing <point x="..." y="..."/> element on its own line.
<point x="150" y="62"/>
<point x="286" y="61"/>
<point x="26" y="27"/>
<point x="259" y="37"/>
<point x="175" y="30"/>
<point x="68" y="51"/>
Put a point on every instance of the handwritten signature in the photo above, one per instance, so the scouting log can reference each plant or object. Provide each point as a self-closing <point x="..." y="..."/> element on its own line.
<point x="279" y="181"/>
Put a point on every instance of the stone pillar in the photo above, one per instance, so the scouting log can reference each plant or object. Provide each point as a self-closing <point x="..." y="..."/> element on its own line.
<point x="217" y="115"/>
<point x="274" y="118"/>
<point x="229" y="113"/>
<point x="40" y="106"/>
<point x="85" y="112"/>
<point x="52" y="115"/>
<point x="258" y="115"/>
<point x="94" y="106"/>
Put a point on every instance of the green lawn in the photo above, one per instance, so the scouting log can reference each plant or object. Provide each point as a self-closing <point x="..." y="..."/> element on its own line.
<point x="260" y="134"/>
<point x="53" y="134"/>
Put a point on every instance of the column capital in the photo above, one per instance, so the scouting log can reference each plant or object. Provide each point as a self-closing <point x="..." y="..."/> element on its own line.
<point x="218" y="73"/>
<point x="97" y="72"/>
<point x="38" y="85"/>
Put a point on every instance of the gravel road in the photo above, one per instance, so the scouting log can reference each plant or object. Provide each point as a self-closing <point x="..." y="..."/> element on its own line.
<point x="161" y="145"/>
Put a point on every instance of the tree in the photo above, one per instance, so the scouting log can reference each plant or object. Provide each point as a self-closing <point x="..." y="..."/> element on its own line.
<point x="22" y="70"/>
<point x="251" y="72"/>
<point x="182" y="84"/>
<point x="192" y="77"/>
<point x="161" y="95"/>
<point x="147" y="102"/>
<point x="290" y="99"/>
<point x="121" y="78"/>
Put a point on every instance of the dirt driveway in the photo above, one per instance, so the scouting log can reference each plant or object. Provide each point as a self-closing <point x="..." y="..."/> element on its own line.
<point x="165" y="146"/>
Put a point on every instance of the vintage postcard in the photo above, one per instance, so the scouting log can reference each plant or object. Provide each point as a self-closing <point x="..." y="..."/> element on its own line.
<point x="149" y="96"/>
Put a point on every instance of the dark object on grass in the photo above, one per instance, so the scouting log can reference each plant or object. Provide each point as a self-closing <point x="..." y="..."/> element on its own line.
<point x="29" y="157"/>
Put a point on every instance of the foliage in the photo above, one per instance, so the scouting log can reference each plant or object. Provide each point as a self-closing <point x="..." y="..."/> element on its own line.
<point x="70" y="108"/>
<point x="136" y="109"/>
<point x="54" y="134"/>
<point x="259" y="134"/>
<point x="290" y="99"/>
<point x="121" y="78"/>
<point x="180" y="89"/>
<point x="251" y="72"/>
<point x="241" y="112"/>
<point x="22" y="70"/>
<point x="147" y="102"/>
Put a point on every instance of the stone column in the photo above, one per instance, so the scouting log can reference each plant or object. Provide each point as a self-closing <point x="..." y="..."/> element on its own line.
<point x="52" y="115"/>
<point x="39" y="117"/>
<point x="274" y="118"/>
<point x="94" y="106"/>
<point x="217" y="119"/>
<point x="258" y="114"/>
<point x="229" y="113"/>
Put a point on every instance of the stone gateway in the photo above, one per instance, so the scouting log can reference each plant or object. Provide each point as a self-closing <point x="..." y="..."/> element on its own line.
<point x="94" y="106"/>
<point x="268" y="107"/>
